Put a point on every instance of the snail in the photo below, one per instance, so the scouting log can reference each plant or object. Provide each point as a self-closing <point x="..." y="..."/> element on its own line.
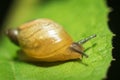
<point x="45" y="40"/>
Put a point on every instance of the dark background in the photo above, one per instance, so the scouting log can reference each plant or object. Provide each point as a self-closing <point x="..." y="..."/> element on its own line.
<point x="114" y="24"/>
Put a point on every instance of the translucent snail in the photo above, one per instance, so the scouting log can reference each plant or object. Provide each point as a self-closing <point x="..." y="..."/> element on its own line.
<point x="45" y="40"/>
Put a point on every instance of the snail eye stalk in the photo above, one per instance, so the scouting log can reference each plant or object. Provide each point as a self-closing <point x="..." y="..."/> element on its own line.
<point x="86" y="39"/>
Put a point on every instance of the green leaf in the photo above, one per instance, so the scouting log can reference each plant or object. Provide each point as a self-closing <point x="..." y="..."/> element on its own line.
<point x="80" y="18"/>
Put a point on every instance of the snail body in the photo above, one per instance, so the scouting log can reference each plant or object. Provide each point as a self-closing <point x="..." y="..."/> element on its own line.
<point x="45" y="40"/>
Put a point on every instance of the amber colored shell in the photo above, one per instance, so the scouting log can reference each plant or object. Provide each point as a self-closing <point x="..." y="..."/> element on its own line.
<point x="45" y="40"/>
